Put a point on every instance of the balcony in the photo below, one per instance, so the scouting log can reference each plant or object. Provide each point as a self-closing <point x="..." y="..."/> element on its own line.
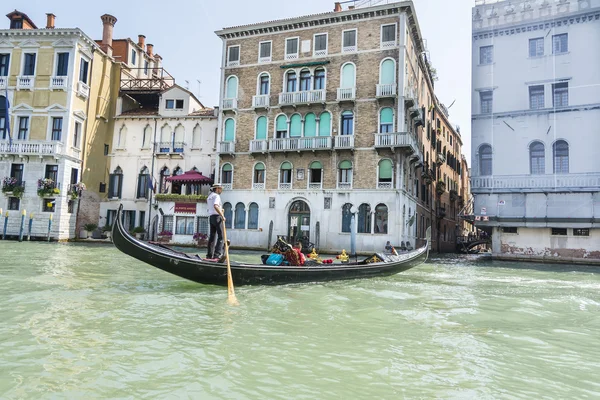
<point x="388" y="45"/>
<point x="58" y="83"/>
<point x="315" y="186"/>
<point x="258" y="186"/>
<point x="137" y="80"/>
<point x="385" y="185"/>
<point x="229" y="104"/>
<point x="305" y="97"/>
<point x="169" y="148"/>
<point x="227" y="147"/>
<point x="583" y="182"/>
<point x="300" y="144"/>
<point x="261" y="101"/>
<point x="344" y="142"/>
<point x="441" y="158"/>
<point x="25" y="82"/>
<point x="346" y="94"/>
<point x="285" y="186"/>
<point x="386" y="90"/>
<point x="3" y="82"/>
<point x="258" y="146"/>
<point x="396" y="140"/>
<point x="83" y="90"/>
<point x="15" y="188"/>
<point x="410" y="98"/>
<point x="31" y="148"/>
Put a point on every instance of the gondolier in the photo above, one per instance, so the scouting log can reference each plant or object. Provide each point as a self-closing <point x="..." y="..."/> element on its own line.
<point x="216" y="219"/>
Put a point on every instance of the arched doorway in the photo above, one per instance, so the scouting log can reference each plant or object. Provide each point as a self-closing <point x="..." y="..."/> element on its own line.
<point x="299" y="222"/>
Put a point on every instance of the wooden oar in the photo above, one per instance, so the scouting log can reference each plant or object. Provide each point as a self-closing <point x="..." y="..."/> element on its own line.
<point x="231" y="299"/>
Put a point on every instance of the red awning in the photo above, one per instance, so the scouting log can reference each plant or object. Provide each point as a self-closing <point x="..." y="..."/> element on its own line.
<point x="190" y="177"/>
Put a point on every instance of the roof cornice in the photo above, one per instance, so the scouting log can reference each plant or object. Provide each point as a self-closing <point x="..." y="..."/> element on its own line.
<point x="50" y="33"/>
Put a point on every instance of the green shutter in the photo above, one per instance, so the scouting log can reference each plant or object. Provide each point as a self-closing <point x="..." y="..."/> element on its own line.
<point x="310" y="125"/>
<point x="286" y="165"/>
<point x="229" y="130"/>
<point x="231" y="88"/>
<point x="345" y="165"/>
<point x="261" y="128"/>
<point x="296" y="126"/>
<point x="347" y="76"/>
<point x="325" y="124"/>
<point x="282" y="123"/>
<point x="387" y="72"/>
<point x="259" y="167"/>
<point x="316" y="165"/>
<point x="386" y="116"/>
<point x="227" y="167"/>
<point x="385" y="169"/>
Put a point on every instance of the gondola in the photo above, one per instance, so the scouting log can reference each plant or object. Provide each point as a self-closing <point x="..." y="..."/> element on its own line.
<point x="210" y="272"/>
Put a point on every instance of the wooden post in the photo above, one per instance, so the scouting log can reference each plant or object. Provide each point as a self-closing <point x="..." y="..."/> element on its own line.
<point x="22" y="225"/>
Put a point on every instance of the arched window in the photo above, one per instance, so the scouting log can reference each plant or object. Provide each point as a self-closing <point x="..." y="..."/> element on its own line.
<point x="229" y="130"/>
<point x="310" y="125"/>
<point x="560" y="150"/>
<point x="228" y="213"/>
<point x="319" y="79"/>
<point x="281" y="127"/>
<point x="165" y="139"/>
<point x="162" y="185"/>
<point x="122" y="137"/>
<point x="348" y="76"/>
<point x="537" y="158"/>
<point x="381" y="219"/>
<point x="387" y="72"/>
<point x="253" y="216"/>
<point x="146" y="137"/>
<point x="385" y="174"/>
<point x="178" y="139"/>
<point x="325" y="124"/>
<point x="290" y="81"/>
<point x="259" y="175"/>
<point x="176" y="187"/>
<point x="296" y="125"/>
<point x="285" y="175"/>
<point x="347" y="123"/>
<point x="304" y="80"/>
<point x="315" y="180"/>
<point x="144" y="183"/>
<point x="197" y="137"/>
<point x="115" y="183"/>
<point x="264" y="84"/>
<point x="231" y="87"/>
<point x="364" y="219"/>
<point x="346" y="217"/>
<point x="485" y="160"/>
<point x="240" y="216"/>
<point x="345" y="175"/>
<point x="226" y="174"/>
<point x="261" y="128"/>
<point x="386" y="120"/>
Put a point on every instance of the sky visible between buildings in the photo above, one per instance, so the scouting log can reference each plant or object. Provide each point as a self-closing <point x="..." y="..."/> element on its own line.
<point x="182" y="32"/>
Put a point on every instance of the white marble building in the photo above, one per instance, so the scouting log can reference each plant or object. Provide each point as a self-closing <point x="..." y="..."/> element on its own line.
<point x="535" y="128"/>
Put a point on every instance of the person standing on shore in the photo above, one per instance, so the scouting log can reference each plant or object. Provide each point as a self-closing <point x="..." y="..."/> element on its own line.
<point x="216" y="219"/>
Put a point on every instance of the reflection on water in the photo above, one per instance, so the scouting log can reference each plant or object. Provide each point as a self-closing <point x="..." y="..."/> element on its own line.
<point x="87" y="321"/>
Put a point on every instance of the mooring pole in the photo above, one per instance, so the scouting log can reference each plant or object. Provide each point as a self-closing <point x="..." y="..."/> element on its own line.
<point x="22" y="225"/>
<point x="30" y="224"/>
<point x="49" y="226"/>
<point x="5" y="222"/>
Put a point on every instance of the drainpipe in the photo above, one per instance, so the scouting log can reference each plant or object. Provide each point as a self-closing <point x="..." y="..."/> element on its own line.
<point x="152" y="169"/>
<point x="220" y="116"/>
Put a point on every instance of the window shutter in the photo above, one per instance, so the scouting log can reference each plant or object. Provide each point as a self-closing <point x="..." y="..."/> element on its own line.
<point x="296" y="126"/>
<point x="259" y="167"/>
<point x="261" y="128"/>
<point x="386" y="116"/>
<point x="286" y="165"/>
<point x="325" y="124"/>
<point x="345" y="165"/>
<point x="385" y="169"/>
<point x="227" y="167"/>
<point x="229" y="130"/>
<point x="387" y="73"/>
<point x="347" y="76"/>
<point x="282" y="123"/>
<point x="231" y="87"/>
<point x="310" y="125"/>
<point x="316" y="165"/>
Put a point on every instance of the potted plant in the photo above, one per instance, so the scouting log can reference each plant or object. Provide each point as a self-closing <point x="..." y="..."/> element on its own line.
<point x="47" y="188"/>
<point x="107" y="230"/>
<point x="139" y="232"/>
<point x="89" y="228"/>
<point x="201" y="239"/>
<point x="11" y="186"/>
<point x="164" y="236"/>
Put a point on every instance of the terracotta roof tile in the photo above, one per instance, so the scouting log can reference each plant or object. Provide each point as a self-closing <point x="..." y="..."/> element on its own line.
<point x="141" y="111"/>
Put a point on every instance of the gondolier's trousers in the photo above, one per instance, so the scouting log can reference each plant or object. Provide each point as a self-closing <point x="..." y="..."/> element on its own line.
<point x="215" y="250"/>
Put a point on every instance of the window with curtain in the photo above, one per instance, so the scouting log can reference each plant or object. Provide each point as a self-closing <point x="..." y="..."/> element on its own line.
<point x="290" y="81"/>
<point x="364" y="219"/>
<point x="381" y="219"/>
<point x="281" y="127"/>
<point x="485" y="160"/>
<point x="537" y="158"/>
<point x="385" y="171"/>
<point x="57" y="128"/>
<point x="115" y="183"/>
<point x="560" y="151"/>
<point x="264" y="84"/>
<point x="386" y="120"/>
<point x="310" y="125"/>
<point x="325" y="124"/>
<point x="240" y="216"/>
<point x="261" y="128"/>
<point x="345" y="173"/>
<point x="285" y="175"/>
<point x="346" y="218"/>
<point x="347" y="123"/>
<point x="253" y="216"/>
<point x="228" y="213"/>
<point x="184" y="226"/>
<point x="227" y="174"/>
<point x="304" y="80"/>
<point x="259" y="173"/>
<point x="319" y="79"/>
<point x="316" y="173"/>
<point x="229" y="130"/>
<point x="296" y="125"/>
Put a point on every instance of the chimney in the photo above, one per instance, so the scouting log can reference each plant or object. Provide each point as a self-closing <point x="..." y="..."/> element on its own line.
<point x="108" y="22"/>
<point x="141" y="41"/>
<point x="50" y="20"/>
<point x="338" y="7"/>
<point x="149" y="49"/>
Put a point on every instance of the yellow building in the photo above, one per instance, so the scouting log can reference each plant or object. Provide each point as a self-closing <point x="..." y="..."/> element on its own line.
<point x="62" y="89"/>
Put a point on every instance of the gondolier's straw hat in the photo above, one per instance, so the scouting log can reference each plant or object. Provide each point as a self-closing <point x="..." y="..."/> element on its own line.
<point x="216" y="185"/>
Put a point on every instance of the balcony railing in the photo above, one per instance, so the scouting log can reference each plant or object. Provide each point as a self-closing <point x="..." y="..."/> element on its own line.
<point x="516" y="183"/>
<point x="385" y="185"/>
<point x="388" y="45"/>
<point x="386" y="89"/>
<point x="3" y="82"/>
<point x="346" y="94"/>
<point x="285" y="186"/>
<point x="25" y="82"/>
<point x="83" y="90"/>
<point x="136" y="79"/>
<point x="258" y="146"/>
<point x="410" y="99"/>
<point x="227" y="186"/>
<point x="169" y="147"/>
<point x="299" y="144"/>
<point x="58" y="83"/>
<point x="226" y="147"/>
<point x="229" y="104"/>
<point x="304" y="97"/>
<point x="396" y="139"/>
<point x="344" y="142"/>
<point x="315" y="186"/>
<point x="344" y="185"/>
<point x="261" y="101"/>
<point x="258" y="186"/>
<point x="31" y="148"/>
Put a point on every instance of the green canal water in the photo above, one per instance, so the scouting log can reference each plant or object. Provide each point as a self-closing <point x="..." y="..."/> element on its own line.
<point x="87" y="322"/>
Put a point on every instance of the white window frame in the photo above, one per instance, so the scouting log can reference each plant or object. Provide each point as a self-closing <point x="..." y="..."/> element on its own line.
<point x="28" y="50"/>
<point x="17" y="116"/>
<point x="388" y="45"/>
<point x="265" y="59"/>
<point x="350" y="49"/>
<point x="553" y="36"/>
<point x="543" y="47"/>
<point x="279" y="183"/>
<point x="339" y="183"/>
<point x="77" y="120"/>
<point x="4" y="49"/>
<point x="320" y="53"/>
<point x="292" y="56"/>
<point x="65" y="122"/>
<point x="234" y="63"/>
<point x="492" y="56"/>
<point x="255" y="185"/>
<point x="258" y="83"/>
<point x="134" y="56"/>
<point x="229" y="185"/>
<point x="379" y="119"/>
